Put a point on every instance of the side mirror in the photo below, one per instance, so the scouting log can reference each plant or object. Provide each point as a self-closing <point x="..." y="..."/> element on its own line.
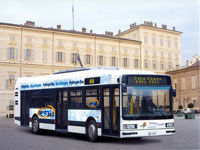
<point x="173" y="92"/>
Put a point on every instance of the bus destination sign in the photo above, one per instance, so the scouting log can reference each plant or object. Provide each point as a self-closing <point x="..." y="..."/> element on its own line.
<point x="148" y="80"/>
<point x="95" y="80"/>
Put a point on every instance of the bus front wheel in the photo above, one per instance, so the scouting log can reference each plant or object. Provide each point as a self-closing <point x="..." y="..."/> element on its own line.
<point x="35" y="125"/>
<point x="92" y="130"/>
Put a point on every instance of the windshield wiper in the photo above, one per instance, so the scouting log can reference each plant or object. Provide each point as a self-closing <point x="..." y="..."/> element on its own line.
<point x="161" y="113"/>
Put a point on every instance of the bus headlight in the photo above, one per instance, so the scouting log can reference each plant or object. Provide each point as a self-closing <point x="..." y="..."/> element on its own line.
<point x="169" y="125"/>
<point x="130" y="126"/>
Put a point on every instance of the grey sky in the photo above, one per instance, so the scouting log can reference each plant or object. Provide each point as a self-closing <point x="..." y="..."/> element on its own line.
<point x="110" y="15"/>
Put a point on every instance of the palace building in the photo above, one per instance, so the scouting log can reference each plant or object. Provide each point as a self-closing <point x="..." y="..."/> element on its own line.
<point x="27" y="50"/>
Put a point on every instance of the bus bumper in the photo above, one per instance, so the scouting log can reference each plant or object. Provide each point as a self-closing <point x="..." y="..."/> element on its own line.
<point x="146" y="133"/>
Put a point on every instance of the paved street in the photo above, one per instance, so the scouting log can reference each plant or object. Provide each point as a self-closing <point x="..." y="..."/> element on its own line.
<point x="13" y="137"/>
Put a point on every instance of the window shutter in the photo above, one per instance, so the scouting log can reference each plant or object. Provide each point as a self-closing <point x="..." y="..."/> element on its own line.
<point x="56" y="57"/>
<point x="116" y="61"/>
<point x="85" y="59"/>
<point x="128" y="62"/>
<point x="25" y="58"/>
<point x="7" y="83"/>
<point x="32" y="54"/>
<point x="8" y="53"/>
<point x="16" y="53"/>
<point x="91" y="59"/>
<point x="104" y="60"/>
<point x="63" y="57"/>
<point x="110" y="61"/>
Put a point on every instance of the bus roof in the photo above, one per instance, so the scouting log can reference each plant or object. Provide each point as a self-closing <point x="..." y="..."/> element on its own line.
<point x="83" y="73"/>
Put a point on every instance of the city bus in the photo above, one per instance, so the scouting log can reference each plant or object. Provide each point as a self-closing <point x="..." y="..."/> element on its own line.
<point x="97" y="101"/>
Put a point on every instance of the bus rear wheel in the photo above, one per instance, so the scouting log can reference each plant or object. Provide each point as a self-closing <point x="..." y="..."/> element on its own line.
<point x="35" y="125"/>
<point x="92" y="130"/>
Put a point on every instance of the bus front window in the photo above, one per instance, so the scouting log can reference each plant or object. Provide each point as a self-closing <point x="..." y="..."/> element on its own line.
<point x="147" y="103"/>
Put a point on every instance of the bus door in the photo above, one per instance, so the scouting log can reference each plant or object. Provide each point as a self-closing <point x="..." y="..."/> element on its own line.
<point x="61" y="109"/>
<point x="25" y="108"/>
<point x="110" y="111"/>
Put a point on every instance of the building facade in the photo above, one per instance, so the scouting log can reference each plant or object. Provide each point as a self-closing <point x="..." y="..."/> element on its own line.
<point x="160" y="47"/>
<point x="186" y="81"/>
<point x="27" y="50"/>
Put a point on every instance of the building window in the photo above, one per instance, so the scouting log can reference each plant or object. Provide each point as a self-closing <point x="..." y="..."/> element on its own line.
<point x="176" y="44"/>
<point x="125" y="62"/>
<point x="153" y="41"/>
<point x="44" y="56"/>
<point x="169" y="43"/>
<point x="28" y="54"/>
<point x="154" y="65"/>
<point x="88" y="45"/>
<point x="113" y="63"/>
<point x="161" y="42"/>
<point x="195" y="103"/>
<point x="145" y="40"/>
<point x="11" y="105"/>
<point x="146" y="52"/>
<point x="176" y="55"/>
<point x="44" y="41"/>
<point x="101" y="47"/>
<point x="169" y="54"/>
<point x="113" y="48"/>
<point x="101" y="60"/>
<point x="74" y="58"/>
<point x="74" y="44"/>
<point x="125" y="49"/>
<point x="136" y="51"/>
<point x="10" y="82"/>
<point x="162" y="54"/>
<point x="12" y="38"/>
<point x="193" y="82"/>
<point x="145" y="64"/>
<point x="136" y="63"/>
<point x="162" y="66"/>
<point x="29" y="39"/>
<point x="88" y="57"/>
<point x="11" y="53"/>
<point x="59" y="57"/>
<point x="169" y="67"/>
<point x="154" y="53"/>
<point x="60" y="42"/>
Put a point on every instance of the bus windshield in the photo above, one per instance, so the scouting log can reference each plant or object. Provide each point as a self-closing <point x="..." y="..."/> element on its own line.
<point x="146" y="103"/>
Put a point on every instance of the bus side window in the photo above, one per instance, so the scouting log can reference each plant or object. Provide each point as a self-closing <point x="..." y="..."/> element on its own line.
<point x="76" y="99"/>
<point x="36" y="99"/>
<point x="48" y="97"/>
<point x="92" y="98"/>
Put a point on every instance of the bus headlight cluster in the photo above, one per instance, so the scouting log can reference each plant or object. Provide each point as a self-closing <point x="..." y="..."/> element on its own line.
<point x="169" y="125"/>
<point x="130" y="126"/>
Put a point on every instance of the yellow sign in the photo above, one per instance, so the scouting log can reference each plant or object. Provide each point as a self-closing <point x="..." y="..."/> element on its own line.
<point x="93" y="103"/>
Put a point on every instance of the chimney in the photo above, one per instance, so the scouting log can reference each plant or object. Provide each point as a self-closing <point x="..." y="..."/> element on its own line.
<point x="59" y="27"/>
<point x="174" y="29"/>
<point x="29" y="23"/>
<point x="106" y="33"/>
<point x="131" y="26"/>
<point x="164" y="26"/>
<point x="155" y="25"/>
<point x="84" y="30"/>
<point x="91" y="31"/>
<point x="119" y="31"/>
<point x="111" y="33"/>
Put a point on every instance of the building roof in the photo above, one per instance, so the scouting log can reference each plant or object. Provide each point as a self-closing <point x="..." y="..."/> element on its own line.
<point x="196" y="64"/>
<point x="69" y="31"/>
<point x="142" y="25"/>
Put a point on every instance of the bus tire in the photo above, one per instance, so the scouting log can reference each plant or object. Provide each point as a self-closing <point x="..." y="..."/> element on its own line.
<point x="35" y="125"/>
<point x="92" y="130"/>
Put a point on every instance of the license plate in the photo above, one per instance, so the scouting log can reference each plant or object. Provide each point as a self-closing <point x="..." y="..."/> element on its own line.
<point x="152" y="133"/>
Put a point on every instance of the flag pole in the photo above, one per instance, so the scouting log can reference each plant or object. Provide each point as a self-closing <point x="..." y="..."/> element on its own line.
<point x="73" y="13"/>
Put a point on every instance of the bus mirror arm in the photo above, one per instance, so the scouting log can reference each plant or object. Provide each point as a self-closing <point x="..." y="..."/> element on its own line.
<point x="174" y="92"/>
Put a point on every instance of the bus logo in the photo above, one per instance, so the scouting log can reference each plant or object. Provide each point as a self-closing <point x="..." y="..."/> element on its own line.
<point x="46" y="112"/>
<point x="93" y="103"/>
<point x="144" y="124"/>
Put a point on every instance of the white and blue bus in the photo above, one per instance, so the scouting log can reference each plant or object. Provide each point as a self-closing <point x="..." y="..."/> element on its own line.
<point x="97" y="102"/>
